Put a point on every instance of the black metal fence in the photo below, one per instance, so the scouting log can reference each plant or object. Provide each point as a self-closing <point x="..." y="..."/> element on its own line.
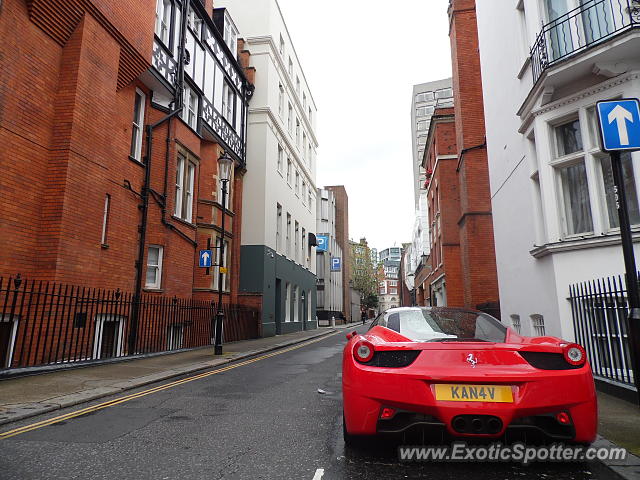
<point x="44" y="323"/>
<point x="592" y="22"/>
<point x="600" y="321"/>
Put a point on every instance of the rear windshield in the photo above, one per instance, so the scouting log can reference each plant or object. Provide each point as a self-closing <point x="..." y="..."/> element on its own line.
<point x="443" y="325"/>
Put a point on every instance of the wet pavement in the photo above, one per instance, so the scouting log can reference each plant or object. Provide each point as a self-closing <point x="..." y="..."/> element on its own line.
<point x="278" y="416"/>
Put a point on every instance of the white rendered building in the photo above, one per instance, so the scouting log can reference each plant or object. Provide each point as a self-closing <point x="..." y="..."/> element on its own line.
<point x="279" y="219"/>
<point x="330" y="300"/>
<point x="554" y="216"/>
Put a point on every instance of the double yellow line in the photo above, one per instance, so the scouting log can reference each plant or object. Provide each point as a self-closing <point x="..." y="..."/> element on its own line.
<point x="133" y="396"/>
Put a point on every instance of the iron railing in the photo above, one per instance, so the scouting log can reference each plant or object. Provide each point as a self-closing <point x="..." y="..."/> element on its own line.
<point x="599" y="309"/>
<point x="594" y="21"/>
<point x="46" y="323"/>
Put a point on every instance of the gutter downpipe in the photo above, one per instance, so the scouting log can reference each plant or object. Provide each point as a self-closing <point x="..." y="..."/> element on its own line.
<point x="144" y="207"/>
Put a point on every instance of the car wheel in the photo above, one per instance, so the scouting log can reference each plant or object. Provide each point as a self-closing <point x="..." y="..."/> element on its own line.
<point x="354" y="441"/>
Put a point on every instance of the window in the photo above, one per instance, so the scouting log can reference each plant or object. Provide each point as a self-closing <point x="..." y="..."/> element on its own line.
<point x="154" y="267"/>
<point x="296" y="308"/>
<point x="105" y="220"/>
<point x="310" y="200"/>
<point x="424" y="97"/>
<point x="194" y="22"/>
<point x="297" y="132"/>
<point x="310" y="116"/>
<point x="515" y="323"/>
<point x="281" y="46"/>
<point x="230" y="35"/>
<point x="575" y="193"/>
<point x="288" y="239"/>
<point x="138" y="121"/>
<point x="190" y="112"/>
<point x="228" y="103"/>
<point x="224" y="263"/>
<point x="297" y="187"/>
<point x="629" y="187"/>
<point x="298" y="86"/>
<point x="278" y="228"/>
<point x="289" y="171"/>
<point x="304" y="145"/>
<point x="287" y="302"/>
<point x="281" y="100"/>
<point x="422" y="125"/>
<point x="163" y="20"/>
<point x="304" y="192"/>
<point x="304" y="101"/>
<point x="185" y="174"/>
<point x="296" y="248"/>
<point x="446" y="93"/>
<point x="424" y="111"/>
<point x="537" y="321"/>
<point x="290" y="67"/>
<point x="304" y="247"/>
<point x="280" y="158"/>
<point x="568" y="138"/>
<point x="290" y="119"/>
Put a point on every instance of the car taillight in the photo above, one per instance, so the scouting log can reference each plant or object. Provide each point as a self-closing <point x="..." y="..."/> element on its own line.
<point x="574" y="354"/>
<point x="363" y="351"/>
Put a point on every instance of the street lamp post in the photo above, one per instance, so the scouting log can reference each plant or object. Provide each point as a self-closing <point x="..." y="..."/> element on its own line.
<point x="225" y="165"/>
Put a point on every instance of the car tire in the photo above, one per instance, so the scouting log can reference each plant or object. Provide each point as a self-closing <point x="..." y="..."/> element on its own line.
<point x="354" y="441"/>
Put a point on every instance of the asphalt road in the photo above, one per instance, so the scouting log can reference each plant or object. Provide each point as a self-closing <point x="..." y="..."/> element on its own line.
<point x="262" y="420"/>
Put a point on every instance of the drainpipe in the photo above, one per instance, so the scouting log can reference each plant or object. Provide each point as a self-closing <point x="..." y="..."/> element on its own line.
<point x="146" y="188"/>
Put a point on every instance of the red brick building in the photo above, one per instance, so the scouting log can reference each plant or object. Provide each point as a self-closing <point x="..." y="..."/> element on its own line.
<point x="462" y="259"/>
<point x="81" y="81"/>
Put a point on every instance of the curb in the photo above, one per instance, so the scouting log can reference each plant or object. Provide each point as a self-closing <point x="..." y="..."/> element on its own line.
<point x="628" y="469"/>
<point x="85" y="396"/>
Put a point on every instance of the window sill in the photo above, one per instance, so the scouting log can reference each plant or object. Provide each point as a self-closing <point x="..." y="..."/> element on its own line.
<point x="153" y="290"/>
<point x="135" y="160"/>
<point x="104" y="246"/>
<point x="592" y="241"/>
<point x="183" y="222"/>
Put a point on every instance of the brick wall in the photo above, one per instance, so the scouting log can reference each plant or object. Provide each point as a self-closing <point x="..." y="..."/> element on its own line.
<point x="479" y="276"/>
<point x="66" y="107"/>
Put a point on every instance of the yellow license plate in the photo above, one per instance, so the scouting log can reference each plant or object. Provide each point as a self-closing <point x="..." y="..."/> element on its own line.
<point x="474" y="393"/>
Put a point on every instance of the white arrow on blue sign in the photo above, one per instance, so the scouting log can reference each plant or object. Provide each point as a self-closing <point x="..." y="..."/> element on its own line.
<point x="619" y="124"/>
<point x="205" y="258"/>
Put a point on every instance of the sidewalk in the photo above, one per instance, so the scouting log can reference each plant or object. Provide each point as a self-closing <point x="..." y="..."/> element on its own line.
<point x="25" y="397"/>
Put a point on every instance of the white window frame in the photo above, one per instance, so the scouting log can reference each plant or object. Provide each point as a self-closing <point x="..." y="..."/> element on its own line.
<point x="537" y="325"/>
<point x="229" y="103"/>
<point x="185" y="184"/>
<point x="158" y="283"/>
<point x="163" y="20"/>
<point x="191" y="102"/>
<point x="231" y="33"/>
<point x="105" y="220"/>
<point x="289" y="167"/>
<point x="278" y="228"/>
<point x="288" y="237"/>
<point x="137" y="125"/>
<point x="281" y="100"/>
<point x="280" y="158"/>
<point x="227" y="202"/>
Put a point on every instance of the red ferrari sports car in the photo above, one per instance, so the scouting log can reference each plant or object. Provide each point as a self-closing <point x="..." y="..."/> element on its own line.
<point x="465" y="373"/>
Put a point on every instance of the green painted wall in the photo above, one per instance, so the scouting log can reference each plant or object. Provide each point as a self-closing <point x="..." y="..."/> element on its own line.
<point x="260" y="266"/>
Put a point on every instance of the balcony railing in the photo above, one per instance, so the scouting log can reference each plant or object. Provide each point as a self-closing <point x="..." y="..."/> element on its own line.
<point x="593" y="22"/>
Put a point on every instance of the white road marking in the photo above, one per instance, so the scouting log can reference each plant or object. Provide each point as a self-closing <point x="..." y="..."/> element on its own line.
<point x="319" y="474"/>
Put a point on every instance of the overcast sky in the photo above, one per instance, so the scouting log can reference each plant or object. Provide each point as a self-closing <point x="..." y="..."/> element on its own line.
<point x="361" y="59"/>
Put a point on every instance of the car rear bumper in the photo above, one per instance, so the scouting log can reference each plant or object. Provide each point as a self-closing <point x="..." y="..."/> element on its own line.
<point x="537" y="399"/>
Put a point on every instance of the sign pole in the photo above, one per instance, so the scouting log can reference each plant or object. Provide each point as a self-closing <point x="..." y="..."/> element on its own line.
<point x="633" y="294"/>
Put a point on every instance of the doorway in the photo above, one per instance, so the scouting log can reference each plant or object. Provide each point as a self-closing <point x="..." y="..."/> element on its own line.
<point x="278" y="306"/>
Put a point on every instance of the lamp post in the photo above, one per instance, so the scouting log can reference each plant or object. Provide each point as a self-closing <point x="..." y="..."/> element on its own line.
<point x="225" y="165"/>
